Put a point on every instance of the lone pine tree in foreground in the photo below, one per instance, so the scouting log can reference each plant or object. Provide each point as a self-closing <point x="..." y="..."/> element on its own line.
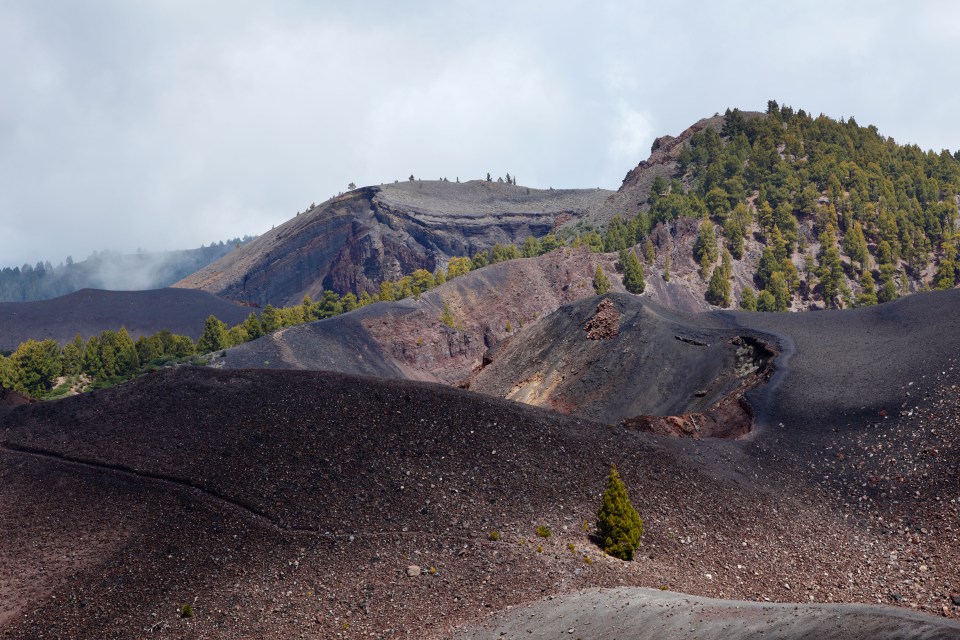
<point x="619" y="526"/>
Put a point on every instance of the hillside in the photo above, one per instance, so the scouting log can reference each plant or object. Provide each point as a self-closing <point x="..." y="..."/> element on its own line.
<point x="88" y="312"/>
<point x="844" y="215"/>
<point x="357" y="240"/>
<point x="803" y="212"/>
<point x="642" y="359"/>
<point x="408" y="339"/>
<point x="285" y="502"/>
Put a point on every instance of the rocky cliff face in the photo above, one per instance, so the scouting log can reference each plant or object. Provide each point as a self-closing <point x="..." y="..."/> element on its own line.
<point x="357" y="240"/>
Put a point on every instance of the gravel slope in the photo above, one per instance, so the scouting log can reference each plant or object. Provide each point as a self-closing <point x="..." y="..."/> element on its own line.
<point x="641" y="614"/>
<point x="90" y="311"/>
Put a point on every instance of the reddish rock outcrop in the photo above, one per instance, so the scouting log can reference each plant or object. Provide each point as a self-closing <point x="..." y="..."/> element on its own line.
<point x="730" y="417"/>
<point x="605" y="325"/>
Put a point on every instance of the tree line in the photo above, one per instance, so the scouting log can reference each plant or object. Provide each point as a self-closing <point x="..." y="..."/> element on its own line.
<point x="108" y="270"/>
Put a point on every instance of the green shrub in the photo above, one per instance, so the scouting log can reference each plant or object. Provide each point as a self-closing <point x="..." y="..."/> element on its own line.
<point x="186" y="611"/>
<point x="601" y="284"/>
<point x="544" y="532"/>
<point x="446" y="316"/>
<point x="494" y="536"/>
<point x="619" y="526"/>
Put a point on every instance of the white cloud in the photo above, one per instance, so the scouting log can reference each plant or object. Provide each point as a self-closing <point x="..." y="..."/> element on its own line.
<point x="169" y="124"/>
<point x="632" y="135"/>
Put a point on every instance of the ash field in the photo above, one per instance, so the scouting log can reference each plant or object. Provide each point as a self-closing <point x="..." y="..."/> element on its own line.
<point x="283" y="503"/>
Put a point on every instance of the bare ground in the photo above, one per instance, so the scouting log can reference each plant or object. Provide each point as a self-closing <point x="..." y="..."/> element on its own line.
<point x="284" y="503"/>
<point x="89" y="311"/>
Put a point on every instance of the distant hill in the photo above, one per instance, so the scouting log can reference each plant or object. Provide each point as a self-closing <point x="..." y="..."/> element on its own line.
<point x="846" y="216"/>
<point x="356" y="241"/>
<point x="108" y="270"/>
<point x="791" y="211"/>
<point x="90" y="311"/>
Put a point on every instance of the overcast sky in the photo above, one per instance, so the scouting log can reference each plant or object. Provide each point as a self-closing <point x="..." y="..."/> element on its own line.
<point x="168" y="124"/>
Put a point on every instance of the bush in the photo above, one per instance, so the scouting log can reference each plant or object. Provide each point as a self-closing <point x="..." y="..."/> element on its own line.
<point x="601" y="284"/>
<point x="619" y="526"/>
<point x="544" y="532"/>
<point x="494" y="536"/>
<point x="186" y="611"/>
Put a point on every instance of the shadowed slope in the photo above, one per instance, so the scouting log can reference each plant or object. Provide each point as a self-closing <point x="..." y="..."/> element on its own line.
<point x="654" y="362"/>
<point x="90" y="311"/>
<point x="846" y="364"/>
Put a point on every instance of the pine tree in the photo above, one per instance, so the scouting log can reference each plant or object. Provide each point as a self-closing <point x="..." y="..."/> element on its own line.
<point x="888" y="288"/>
<point x="36" y="366"/>
<point x="619" y="526"/>
<point x="855" y="245"/>
<point x="766" y="301"/>
<point x="127" y="359"/>
<point x="349" y="302"/>
<point x="632" y="272"/>
<point x="7" y="373"/>
<point x="781" y="294"/>
<point x="946" y="275"/>
<point x="446" y="316"/>
<point x="768" y="264"/>
<point x="705" y="248"/>
<point x="457" y="267"/>
<point x="214" y="336"/>
<point x="868" y="293"/>
<point x="549" y="243"/>
<point x="531" y="248"/>
<point x="270" y="318"/>
<point x="600" y="282"/>
<point x="748" y="300"/>
<point x="73" y="356"/>
<point x="253" y="326"/>
<point x="734" y="232"/>
<point x="92" y="364"/>
<point x="648" y="253"/>
<point x="717" y="293"/>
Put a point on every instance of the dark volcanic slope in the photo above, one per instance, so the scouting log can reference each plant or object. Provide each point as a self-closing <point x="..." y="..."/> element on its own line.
<point x="408" y="340"/>
<point x="90" y="311"/>
<point x="847" y="364"/>
<point x="355" y="241"/>
<point x="654" y="361"/>
<point x="283" y="503"/>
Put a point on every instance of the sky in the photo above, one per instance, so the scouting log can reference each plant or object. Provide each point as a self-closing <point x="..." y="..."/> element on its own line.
<point x="168" y="124"/>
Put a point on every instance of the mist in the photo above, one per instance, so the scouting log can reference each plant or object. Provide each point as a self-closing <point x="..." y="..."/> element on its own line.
<point x="108" y="270"/>
<point x="164" y="124"/>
